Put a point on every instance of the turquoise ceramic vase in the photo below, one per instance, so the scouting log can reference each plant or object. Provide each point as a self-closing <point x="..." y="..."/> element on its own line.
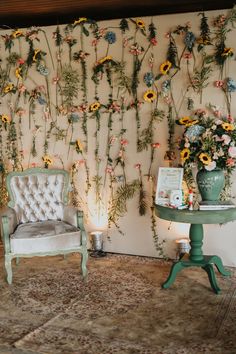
<point x="210" y="184"/>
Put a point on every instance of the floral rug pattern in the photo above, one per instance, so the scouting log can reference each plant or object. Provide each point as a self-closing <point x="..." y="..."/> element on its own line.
<point x="121" y="308"/>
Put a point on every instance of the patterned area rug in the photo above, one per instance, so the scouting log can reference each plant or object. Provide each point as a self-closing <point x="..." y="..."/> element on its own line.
<point x="121" y="308"/>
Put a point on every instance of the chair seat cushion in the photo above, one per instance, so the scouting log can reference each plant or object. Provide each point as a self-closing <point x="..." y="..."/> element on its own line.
<point x="44" y="236"/>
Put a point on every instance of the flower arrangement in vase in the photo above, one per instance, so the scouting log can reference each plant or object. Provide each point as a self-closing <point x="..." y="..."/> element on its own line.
<point x="209" y="143"/>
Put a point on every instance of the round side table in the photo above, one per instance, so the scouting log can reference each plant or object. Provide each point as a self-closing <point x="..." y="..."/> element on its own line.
<point x="196" y="219"/>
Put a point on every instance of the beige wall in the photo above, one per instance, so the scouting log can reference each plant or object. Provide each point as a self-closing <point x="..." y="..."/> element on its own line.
<point x="138" y="239"/>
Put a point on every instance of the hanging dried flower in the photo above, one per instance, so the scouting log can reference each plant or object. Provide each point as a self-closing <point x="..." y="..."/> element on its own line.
<point x="149" y="96"/>
<point x="8" y="88"/>
<point x="17" y="33"/>
<point x="5" y="118"/>
<point x="165" y="67"/>
<point x="140" y="23"/>
<point x="80" y="20"/>
<point x="94" y="106"/>
<point x="78" y="146"/>
<point x="47" y="160"/>
<point x="105" y="59"/>
<point x="110" y="37"/>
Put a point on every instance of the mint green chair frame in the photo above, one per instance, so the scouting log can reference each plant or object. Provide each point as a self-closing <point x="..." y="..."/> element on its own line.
<point x="9" y="224"/>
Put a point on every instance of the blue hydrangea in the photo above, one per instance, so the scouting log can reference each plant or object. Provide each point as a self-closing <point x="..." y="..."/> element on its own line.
<point x="165" y="86"/>
<point x="110" y="37"/>
<point x="231" y="85"/>
<point x="189" y="40"/>
<point x="148" y="79"/>
<point x="194" y="131"/>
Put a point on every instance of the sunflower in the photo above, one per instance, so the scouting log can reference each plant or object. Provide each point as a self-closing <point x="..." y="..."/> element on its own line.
<point x="78" y="146"/>
<point x="184" y="120"/>
<point x="192" y="122"/>
<point x="227" y="52"/>
<point x="5" y="118"/>
<point x="94" y="106"/>
<point x="149" y="96"/>
<point x="36" y="52"/>
<point x="165" y="67"/>
<point x="17" y="33"/>
<point x="47" y="160"/>
<point x="80" y="20"/>
<point x="105" y="59"/>
<point x="8" y="88"/>
<point x="205" y="158"/>
<point x="18" y="73"/>
<point x="185" y="153"/>
<point x="140" y="23"/>
<point x="227" y="126"/>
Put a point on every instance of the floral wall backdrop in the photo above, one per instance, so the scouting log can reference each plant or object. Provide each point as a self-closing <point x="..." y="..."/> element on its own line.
<point x="109" y="101"/>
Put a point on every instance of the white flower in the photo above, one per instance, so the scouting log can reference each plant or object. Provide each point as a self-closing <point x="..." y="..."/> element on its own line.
<point x="226" y="139"/>
<point x="211" y="166"/>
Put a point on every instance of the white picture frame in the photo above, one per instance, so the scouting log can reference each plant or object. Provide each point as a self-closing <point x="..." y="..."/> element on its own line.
<point x="169" y="179"/>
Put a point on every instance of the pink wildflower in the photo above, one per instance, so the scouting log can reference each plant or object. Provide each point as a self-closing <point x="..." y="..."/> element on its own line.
<point x="124" y="142"/>
<point x="219" y="83"/>
<point x="153" y="41"/>
<point x="21" y="61"/>
<point x="156" y="145"/>
<point x="187" y="55"/>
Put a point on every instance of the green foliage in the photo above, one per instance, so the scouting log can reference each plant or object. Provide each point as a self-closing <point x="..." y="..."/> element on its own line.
<point x="70" y="84"/>
<point x="119" y="201"/>
<point x="172" y="53"/>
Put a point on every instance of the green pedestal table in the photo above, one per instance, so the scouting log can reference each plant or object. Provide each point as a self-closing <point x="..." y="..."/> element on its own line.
<point x="195" y="258"/>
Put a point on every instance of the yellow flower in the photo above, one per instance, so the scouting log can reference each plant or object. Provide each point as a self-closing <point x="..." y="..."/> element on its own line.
<point x="205" y="158"/>
<point x="165" y="67"/>
<point x="36" y="52"/>
<point x="105" y="59"/>
<point x="203" y="41"/>
<point x="149" y="96"/>
<point x="192" y="122"/>
<point x="80" y="20"/>
<point x="140" y="23"/>
<point x="227" y="126"/>
<point x="79" y="146"/>
<point x="5" y="118"/>
<point x="227" y="52"/>
<point x="94" y="106"/>
<point x="8" y="88"/>
<point x="47" y="160"/>
<point x="184" y="120"/>
<point x="17" y="33"/>
<point x="184" y="154"/>
<point x="18" y="73"/>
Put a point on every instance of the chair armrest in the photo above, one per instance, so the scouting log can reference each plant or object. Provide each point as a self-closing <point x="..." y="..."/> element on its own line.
<point x="8" y="225"/>
<point x="76" y="217"/>
<point x="70" y="215"/>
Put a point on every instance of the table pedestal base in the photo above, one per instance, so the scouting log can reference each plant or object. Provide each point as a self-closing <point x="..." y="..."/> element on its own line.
<point x="206" y="263"/>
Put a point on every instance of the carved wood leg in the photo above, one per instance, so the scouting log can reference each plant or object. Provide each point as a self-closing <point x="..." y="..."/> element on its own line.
<point x="212" y="278"/>
<point x="8" y="268"/>
<point x="84" y="259"/>
<point x="176" y="268"/>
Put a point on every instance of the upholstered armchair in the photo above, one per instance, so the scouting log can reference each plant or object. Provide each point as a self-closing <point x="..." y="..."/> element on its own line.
<point x="38" y="221"/>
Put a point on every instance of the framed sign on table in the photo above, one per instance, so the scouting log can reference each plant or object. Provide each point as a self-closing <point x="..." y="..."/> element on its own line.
<point x="169" y="184"/>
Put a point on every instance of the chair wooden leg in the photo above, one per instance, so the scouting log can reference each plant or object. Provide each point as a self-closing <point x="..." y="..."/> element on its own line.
<point x="84" y="259"/>
<point x="8" y="268"/>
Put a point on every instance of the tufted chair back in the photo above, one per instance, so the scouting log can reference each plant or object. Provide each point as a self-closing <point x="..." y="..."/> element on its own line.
<point x="39" y="196"/>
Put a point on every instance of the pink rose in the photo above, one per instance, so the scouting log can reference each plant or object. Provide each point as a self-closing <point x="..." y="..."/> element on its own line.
<point x="232" y="151"/>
